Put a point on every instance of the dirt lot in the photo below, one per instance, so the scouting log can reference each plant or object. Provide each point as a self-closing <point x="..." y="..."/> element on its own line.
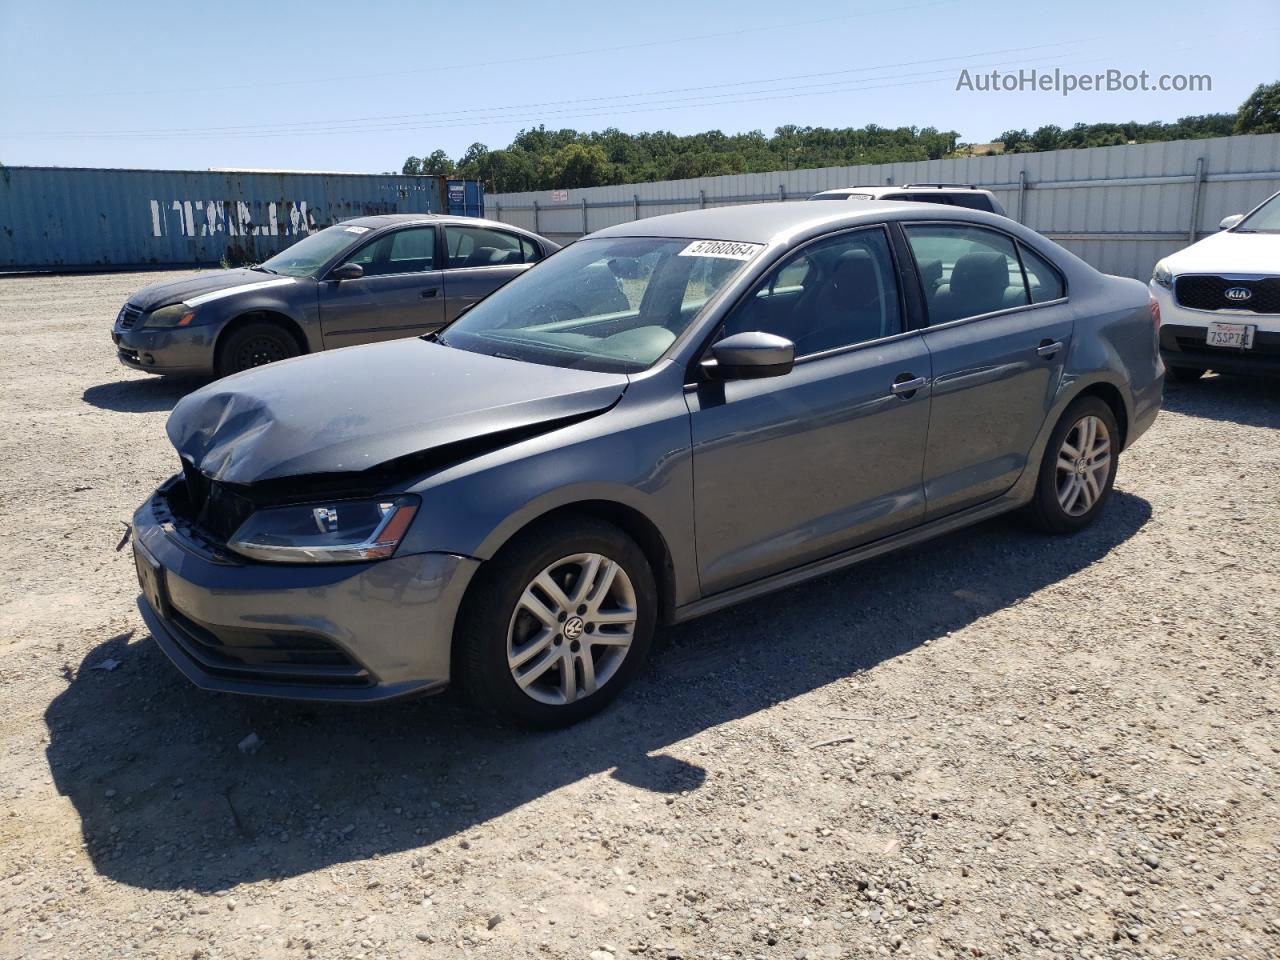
<point x="1055" y="747"/>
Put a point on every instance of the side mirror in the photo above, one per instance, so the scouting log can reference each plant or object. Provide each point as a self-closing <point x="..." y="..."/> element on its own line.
<point x="750" y="356"/>
<point x="348" y="271"/>
<point x="1228" y="222"/>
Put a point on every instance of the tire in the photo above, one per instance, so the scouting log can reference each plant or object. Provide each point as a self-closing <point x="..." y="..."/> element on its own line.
<point x="1065" y="502"/>
<point x="253" y="345"/>
<point x="1184" y="374"/>
<point x="498" y="636"/>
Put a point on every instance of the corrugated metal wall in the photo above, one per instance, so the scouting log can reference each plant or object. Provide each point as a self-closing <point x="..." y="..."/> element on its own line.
<point x="1120" y="208"/>
<point x="72" y="218"/>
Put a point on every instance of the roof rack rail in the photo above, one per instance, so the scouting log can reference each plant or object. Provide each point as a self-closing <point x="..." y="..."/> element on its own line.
<point x="966" y="186"/>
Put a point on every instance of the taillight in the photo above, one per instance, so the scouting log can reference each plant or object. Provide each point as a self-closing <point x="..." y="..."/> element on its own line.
<point x="1154" y="305"/>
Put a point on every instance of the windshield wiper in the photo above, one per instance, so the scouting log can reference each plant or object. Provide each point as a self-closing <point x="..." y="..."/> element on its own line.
<point x="261" y="269"/>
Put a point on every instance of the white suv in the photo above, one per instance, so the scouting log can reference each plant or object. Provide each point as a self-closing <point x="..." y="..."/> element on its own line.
<point x="952" y="194"/>
<point x="1220" y="298"/>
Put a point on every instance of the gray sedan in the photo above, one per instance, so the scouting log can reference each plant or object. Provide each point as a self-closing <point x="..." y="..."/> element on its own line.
<point x="363" y="280"/>
<point x="663" y="419"/>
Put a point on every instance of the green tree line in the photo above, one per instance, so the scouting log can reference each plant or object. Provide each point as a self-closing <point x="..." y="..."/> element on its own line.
<point x="542" y="159"/>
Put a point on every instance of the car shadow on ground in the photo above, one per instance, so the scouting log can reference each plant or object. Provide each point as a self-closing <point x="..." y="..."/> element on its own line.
<point x="1248" y="401"/>
<point x="167" y="800"/>
<point x="151" y="395"/>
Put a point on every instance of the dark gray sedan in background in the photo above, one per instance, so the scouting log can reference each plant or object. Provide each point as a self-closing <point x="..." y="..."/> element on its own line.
<point x="360" y="281"/>
<point x="662" y="419"/>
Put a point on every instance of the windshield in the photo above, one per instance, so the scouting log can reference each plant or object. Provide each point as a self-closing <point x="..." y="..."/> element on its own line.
<point x="610" y="305"/>
<point x="311" y="253"/>
<point x="1266" y="219"/>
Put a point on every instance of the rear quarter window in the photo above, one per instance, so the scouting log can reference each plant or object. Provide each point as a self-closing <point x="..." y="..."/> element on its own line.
<point x="1044" y="280"/>
<point x="973" y="201"/>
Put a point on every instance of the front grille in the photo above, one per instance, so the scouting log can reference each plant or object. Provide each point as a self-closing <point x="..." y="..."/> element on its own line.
<point x="265" y="655"/>
<point x="1205" y="292"/>
<point x="129" y="315"/>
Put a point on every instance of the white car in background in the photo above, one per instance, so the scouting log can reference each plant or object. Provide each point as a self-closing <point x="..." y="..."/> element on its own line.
<point x="949" y="194"/>
<point x="1220" y="298"/>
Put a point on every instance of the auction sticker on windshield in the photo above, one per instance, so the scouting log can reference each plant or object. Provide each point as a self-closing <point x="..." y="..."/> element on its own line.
<point x="724" y="249"/>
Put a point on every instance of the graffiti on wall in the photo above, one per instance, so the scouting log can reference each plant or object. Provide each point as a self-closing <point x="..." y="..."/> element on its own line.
<point x="233" y="218"/>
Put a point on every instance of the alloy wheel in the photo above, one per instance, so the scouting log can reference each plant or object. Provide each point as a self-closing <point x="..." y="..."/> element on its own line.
<point x="571" y="629"/>
<point x="1084" y="462"/>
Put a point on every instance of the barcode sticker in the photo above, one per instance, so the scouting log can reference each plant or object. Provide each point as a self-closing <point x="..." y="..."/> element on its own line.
<point x="723" y="249"/>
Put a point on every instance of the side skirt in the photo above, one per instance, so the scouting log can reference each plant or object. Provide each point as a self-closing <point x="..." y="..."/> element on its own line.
<point x="819" y="568"/>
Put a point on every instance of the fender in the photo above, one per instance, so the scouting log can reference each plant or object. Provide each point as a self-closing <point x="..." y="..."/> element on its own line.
<point x="303" y="310"/>
<point x="638" y="452"/>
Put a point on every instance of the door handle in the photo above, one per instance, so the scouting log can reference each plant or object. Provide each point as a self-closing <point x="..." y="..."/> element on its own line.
<point x="1048" y="348"/>
<point x="906" y="388"/>
<point x="426" y="294"/>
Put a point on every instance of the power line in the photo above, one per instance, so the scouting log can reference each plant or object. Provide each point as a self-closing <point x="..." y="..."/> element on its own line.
<point x="512" y="114"/>
<point x="301" y="125"/>
<point x="472" y="64"/>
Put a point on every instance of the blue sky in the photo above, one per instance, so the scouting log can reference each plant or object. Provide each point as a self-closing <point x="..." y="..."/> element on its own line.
<point x="359" y="86"/>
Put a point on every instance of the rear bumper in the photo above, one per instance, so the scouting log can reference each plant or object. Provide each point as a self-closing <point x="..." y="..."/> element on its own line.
<point x="340" y="632"/>
<point x="166" y="351"/>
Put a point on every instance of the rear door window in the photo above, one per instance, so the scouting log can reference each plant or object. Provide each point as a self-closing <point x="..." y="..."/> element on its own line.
<point x="482" y="247"/>
<point x="966" y="270"/>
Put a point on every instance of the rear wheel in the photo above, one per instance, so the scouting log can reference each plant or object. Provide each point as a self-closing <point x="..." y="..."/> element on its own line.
<point x="253" y="345"/>
<point x="1078" y="469"/>
<point x="1184" y="374"/>
<point x="558" y="623"/>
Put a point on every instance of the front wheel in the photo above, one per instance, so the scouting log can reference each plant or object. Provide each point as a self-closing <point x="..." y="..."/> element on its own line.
<point x="1078" y="469"/>
<point x="253" y="345"/>
<point x="558" y="623"/>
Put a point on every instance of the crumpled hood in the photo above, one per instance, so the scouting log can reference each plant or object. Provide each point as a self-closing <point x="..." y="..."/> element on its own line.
<point x="353" y="409"/>
<point x="175" y="291"/>
<point x="1227" y="253"/>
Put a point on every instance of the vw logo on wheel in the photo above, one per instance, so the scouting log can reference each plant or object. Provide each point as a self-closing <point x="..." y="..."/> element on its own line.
<point x="1238" y="294"/>
<point x="573" y="628"/>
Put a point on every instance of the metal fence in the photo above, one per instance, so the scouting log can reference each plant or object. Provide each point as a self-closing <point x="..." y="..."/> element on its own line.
<point x="60" y="218"/>
<point x="1120" y="208"/>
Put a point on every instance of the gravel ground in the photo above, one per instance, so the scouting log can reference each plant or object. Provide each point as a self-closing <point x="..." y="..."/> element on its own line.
<point x="1048" y="747"/>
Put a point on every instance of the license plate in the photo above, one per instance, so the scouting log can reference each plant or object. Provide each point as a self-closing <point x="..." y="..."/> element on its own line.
<point x="1237" y="335"/>
<point x="151" y="579"/>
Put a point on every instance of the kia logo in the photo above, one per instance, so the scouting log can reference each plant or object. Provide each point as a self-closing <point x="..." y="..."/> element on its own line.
<point x="1238" y="294"/>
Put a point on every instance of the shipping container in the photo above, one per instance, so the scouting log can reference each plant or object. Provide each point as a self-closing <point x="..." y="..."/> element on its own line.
<point x="466" y="198"/>
<point x="61" y="218"/>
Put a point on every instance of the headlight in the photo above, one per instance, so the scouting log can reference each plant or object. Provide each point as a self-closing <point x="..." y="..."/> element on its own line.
<point x="176" y="315"/>
<point x="1162" y="275"/>
<point x="340" y="531"/>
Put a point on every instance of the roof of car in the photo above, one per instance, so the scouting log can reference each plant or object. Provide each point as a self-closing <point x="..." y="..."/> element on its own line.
<point x="881" y="189"/>
<point x="764" y="222"/>
<point x="390" y="219"/>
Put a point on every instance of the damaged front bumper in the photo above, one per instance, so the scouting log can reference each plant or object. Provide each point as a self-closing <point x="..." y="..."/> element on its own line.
<point x="356" y="632"/>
